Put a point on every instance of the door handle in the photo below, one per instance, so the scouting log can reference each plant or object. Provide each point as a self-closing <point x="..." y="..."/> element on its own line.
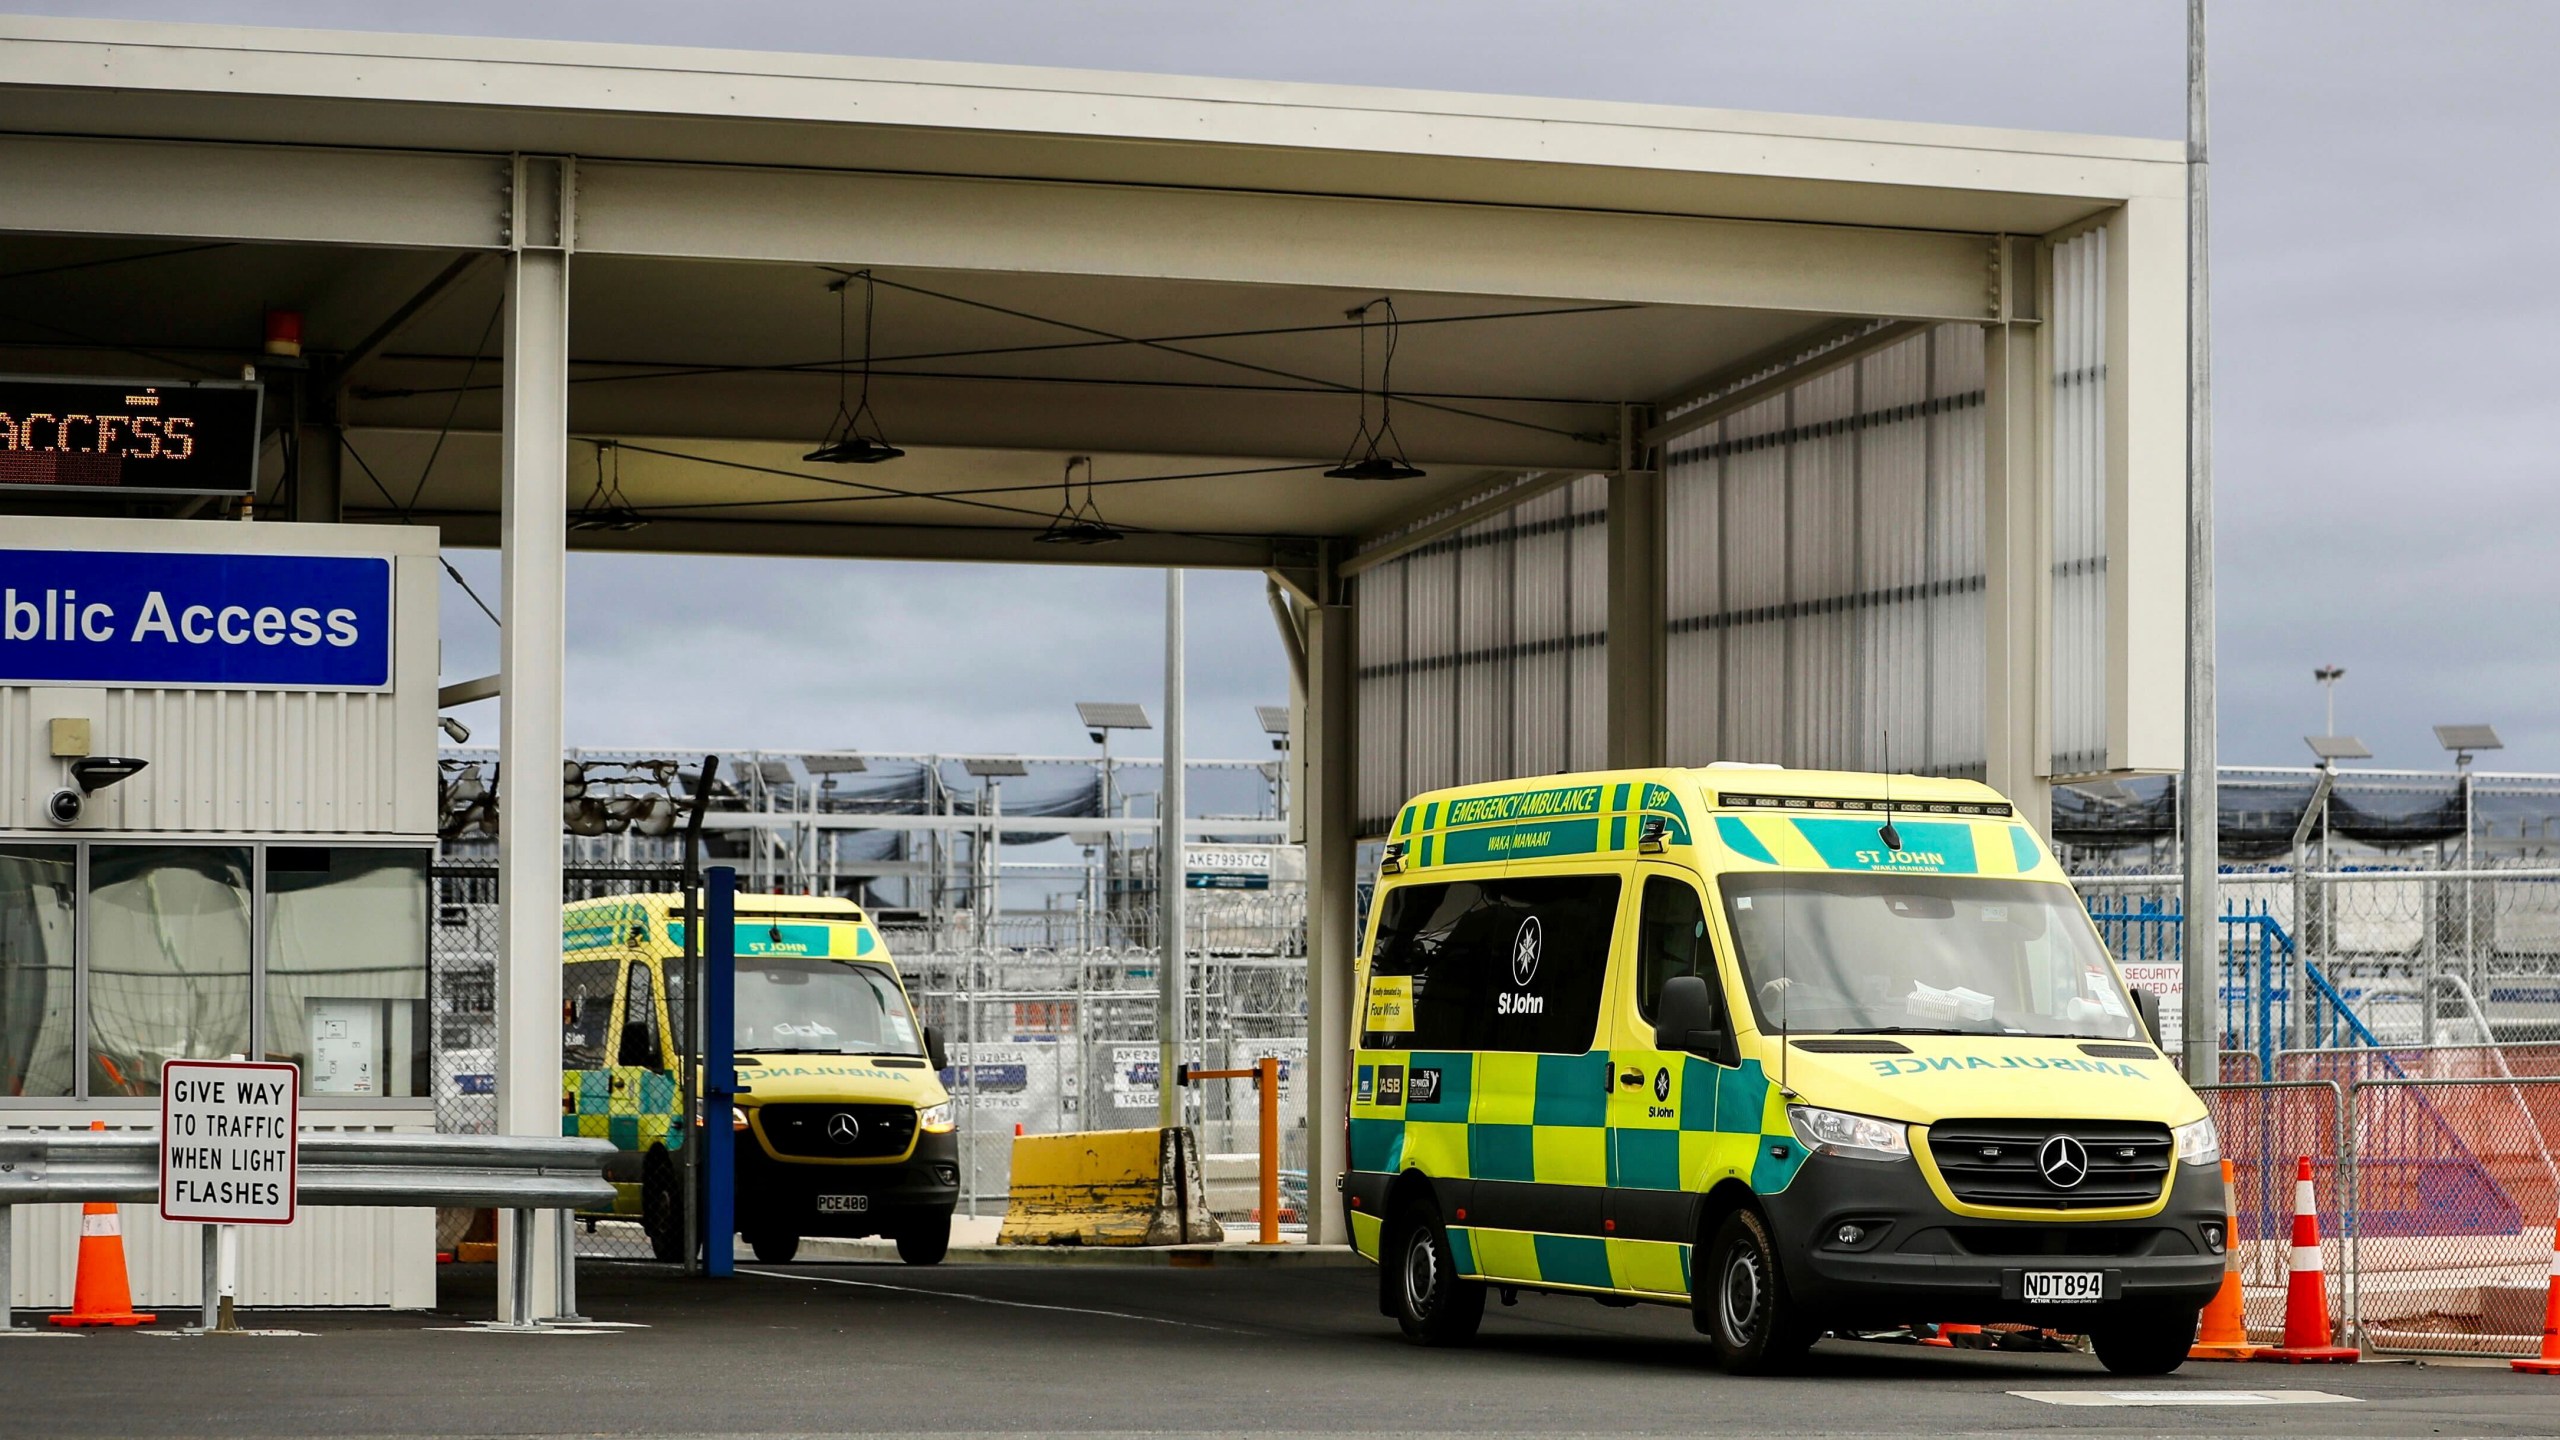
<point x="1632" y="1078"/>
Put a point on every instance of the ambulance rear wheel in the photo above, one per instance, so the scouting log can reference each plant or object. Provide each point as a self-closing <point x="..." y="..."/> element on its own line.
<point x="662" y="1207"/>
<point x="1433" y="1305"/>
<point x="774" y="1247"/>
<point x="1741" y="1298"/>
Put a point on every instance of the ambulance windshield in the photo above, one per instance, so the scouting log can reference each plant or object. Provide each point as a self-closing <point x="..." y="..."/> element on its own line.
<point x="1867" y="954"/>
<point x="789" y="1005"/>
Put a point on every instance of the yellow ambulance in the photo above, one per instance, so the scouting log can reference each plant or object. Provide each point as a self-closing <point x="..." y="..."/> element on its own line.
<point x="843" y="1125"/>
<point x="1801" y="1050"/>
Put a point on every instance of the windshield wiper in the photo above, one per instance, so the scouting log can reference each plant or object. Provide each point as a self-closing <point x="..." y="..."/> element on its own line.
<point x="1909" y="1030"/>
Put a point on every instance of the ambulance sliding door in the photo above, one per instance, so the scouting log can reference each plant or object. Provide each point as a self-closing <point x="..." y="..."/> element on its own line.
<point x="1664" y="1129"/>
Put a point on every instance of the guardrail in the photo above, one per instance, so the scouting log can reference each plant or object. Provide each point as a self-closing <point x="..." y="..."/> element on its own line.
<point x="515" y="1173"/>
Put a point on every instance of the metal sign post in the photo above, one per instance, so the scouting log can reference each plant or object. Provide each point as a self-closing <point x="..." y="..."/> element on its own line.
<point x="719" y="1070"/>
<point x="230" y="1155"/>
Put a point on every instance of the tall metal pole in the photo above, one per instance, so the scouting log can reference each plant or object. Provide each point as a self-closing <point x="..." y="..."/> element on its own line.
<point x="1169" y="869"/>
<point x="2200" y="1038"/>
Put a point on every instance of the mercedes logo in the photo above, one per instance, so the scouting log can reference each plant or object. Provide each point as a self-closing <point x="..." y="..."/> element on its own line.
<point x="2064" y="1161"/>
<point x="1524" y="952"/>
<point x="842" y="1128"/>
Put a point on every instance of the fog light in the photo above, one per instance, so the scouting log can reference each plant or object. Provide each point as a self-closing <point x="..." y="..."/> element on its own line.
<point x="2213" y="1235"/>
<point x="1848" y="1234"/>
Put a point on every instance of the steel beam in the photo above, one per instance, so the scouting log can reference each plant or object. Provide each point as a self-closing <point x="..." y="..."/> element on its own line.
<point x="1288" y="555"/>
<point x="1847" y="352"/>
<point x="72" y="185"/>
<point x="2018" y="570"/>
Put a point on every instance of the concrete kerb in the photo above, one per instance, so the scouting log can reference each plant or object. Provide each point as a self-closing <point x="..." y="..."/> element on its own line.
<point x="1177" y="1257"/>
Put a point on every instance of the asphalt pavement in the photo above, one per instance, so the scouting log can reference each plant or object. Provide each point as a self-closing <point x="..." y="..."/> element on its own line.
<point x="868" y="1349"/>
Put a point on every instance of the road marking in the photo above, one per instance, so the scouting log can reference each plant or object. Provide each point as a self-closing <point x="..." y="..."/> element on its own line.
<point x="991" y="1300"/>
<point x="2186" y="1397"/>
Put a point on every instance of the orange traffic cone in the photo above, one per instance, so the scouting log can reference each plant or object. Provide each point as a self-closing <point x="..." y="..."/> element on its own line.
<point x="2224" y="1334"/>
<point x="101" y="1296"/>
<point x="2549" y="1364"/>
<point x="2306" y="1300"/>
<point x="1952" y="1336"/>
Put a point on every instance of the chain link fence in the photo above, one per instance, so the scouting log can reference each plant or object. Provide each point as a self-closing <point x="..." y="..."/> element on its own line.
<point x="634" y="1104"/>
<point x="2436" y="1202"/>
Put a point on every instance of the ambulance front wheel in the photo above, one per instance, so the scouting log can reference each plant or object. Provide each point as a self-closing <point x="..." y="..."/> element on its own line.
<point x="2144" y="1341"/>
<point x="1742" y="1303"/>
<point x="1433" y="1305"/>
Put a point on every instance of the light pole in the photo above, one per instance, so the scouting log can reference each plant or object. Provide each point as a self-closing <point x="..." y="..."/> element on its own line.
<point x="1100" y="718"/>
<point x="2464" y="741"/>
<point x="1275" y="723"/>
<point x="2329" y="676"/>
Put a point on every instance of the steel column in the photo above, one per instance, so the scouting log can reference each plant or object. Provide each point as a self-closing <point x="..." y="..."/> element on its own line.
<point x="1331" y="744"/>
<point x="1636" y="735"/>
<point x="532" y="558"/>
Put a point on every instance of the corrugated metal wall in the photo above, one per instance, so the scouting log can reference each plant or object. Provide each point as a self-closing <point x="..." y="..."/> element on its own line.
<point x="1824" y="570"/>
<point x="2079" y="350"/>
<point x="1485" y="654"/>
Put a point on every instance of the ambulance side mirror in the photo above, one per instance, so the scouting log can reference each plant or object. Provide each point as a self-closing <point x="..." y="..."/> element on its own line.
<point x="2147" y="1005"/>
<point x="934" y="1054"/>
<point x="1686" y="1018"/>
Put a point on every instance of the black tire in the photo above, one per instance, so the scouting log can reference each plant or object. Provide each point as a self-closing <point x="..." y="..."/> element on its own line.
<point x="2144" y="1342"/>
<point x="662" y="1207"/>
<point x="1433" y="1306"/>
<point x="925" y="1243"/>
<point x="774" y="1247"/>
<point x="1742" y="1304"/>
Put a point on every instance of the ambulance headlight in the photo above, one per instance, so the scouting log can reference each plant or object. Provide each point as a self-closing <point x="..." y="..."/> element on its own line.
<point x="935" y="1119"/>
<point x="1856" y="1137"/>
<point x="2198" y="1143"/>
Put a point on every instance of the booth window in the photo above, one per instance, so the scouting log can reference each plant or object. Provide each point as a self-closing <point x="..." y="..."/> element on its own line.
<point x="346" y="969"/>
<point x="169" y="948"/>
<point x="39" y="902"/>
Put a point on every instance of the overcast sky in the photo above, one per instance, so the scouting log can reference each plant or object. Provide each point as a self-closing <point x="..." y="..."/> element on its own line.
<point x="2385" y="311"/>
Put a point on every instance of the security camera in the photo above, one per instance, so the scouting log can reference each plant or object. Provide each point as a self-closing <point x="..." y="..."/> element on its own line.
<point x="460" y="732"/>
<point x="62" y="807"/>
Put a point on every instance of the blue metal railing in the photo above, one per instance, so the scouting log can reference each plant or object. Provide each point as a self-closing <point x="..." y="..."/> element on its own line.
<point x="2259" y="967"/>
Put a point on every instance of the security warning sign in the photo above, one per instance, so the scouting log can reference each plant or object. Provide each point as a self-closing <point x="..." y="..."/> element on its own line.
<point x="229" y="1141"/>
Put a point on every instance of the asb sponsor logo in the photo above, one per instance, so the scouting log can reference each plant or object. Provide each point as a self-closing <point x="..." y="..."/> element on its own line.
<point x="175" y="619"/>
<point x="1390" y="1084"/>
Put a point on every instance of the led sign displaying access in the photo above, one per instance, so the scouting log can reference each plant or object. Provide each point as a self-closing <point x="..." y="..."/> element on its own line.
<point x="177" y="619"/>
<point x="189" y="437"/>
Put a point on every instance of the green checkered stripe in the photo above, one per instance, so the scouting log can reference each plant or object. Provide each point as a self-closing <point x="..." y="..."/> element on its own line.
<point x="1554" y="1119"/>
<point x="634" y="1107"/>
<point x="1562" y="820"/>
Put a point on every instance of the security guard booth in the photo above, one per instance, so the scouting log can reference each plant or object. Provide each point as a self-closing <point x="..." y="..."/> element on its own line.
<point x="217" y="801"/>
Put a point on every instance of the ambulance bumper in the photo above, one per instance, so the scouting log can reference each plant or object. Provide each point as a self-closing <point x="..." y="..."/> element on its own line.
<point x="849" y="1200"/>
<point x="1915" y="1260"/>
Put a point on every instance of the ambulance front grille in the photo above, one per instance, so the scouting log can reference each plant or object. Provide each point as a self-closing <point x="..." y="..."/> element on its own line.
<point x="2005" y="1162"/>
<point x="864" y="1132"/>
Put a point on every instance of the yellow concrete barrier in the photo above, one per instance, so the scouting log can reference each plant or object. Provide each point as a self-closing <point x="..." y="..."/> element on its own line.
<point x="1108" y="1187"/>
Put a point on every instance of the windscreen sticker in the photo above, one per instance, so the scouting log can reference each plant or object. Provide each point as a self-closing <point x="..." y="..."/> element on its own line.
<point x="1390" y="1003"/>
<point x="1929" y="847"/>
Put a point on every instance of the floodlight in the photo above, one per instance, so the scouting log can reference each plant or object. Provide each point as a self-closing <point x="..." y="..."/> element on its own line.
<point x="2465" y="738"/>
<point x="845" y="764"/>
<point x="2333" y="748"/>
<point x="94" y="773"/>
<point x="994" y="767"/>
<point x="1274" y="718"/>
<point x="1112" y="715"/>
